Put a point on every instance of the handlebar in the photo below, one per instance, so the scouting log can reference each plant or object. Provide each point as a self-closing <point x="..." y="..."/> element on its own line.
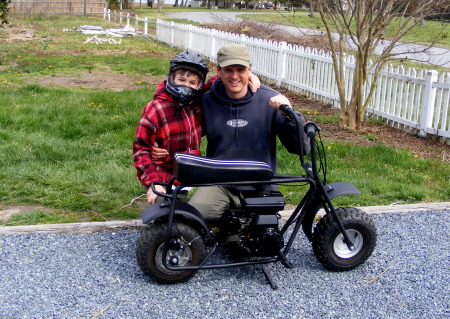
<point x="310" y="129"/>
<point x="286" y="109"/>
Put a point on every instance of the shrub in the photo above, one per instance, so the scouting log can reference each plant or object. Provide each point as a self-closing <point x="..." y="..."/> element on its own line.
<point x="4" y="11"/>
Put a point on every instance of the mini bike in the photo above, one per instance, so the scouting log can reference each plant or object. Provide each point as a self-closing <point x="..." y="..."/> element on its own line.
<point x="178" y="241"/>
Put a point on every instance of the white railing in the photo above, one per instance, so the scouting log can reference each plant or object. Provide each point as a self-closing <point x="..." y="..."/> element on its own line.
<point x="417" y="100"/>
<point x="120" y="17"/>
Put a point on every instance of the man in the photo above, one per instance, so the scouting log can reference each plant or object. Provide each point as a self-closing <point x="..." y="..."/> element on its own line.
<point x="240" y="124"/>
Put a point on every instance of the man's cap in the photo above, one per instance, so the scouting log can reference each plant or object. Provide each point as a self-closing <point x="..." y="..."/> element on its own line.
<point x="233" y="54"/>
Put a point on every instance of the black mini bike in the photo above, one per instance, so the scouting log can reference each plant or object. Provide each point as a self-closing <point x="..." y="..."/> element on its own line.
<point x="178" y="241"/>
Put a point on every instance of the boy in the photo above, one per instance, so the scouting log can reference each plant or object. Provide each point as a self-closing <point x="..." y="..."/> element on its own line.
<point x="172" y="121"/>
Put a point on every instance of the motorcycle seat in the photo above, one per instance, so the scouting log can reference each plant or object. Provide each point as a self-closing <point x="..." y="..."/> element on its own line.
<point x="192" y="169"/>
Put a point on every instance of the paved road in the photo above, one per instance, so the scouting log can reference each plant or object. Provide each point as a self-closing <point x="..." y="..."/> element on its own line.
<point x="87" y="275"/>
<point x="436" y="56"/>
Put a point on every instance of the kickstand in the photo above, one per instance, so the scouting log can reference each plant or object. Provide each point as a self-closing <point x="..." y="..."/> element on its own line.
<point x="265" y="270"/>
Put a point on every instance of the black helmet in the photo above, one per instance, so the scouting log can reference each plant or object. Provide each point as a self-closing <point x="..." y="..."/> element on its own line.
<point x="193" y="62"/>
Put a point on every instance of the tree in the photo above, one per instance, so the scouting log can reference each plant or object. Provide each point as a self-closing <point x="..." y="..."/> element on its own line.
<point x="4" y="10"/>
<point x="361" y="25"/>
<point x="160" y="4"/>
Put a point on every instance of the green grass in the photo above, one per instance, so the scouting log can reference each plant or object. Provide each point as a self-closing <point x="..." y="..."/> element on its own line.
<point x="383" y="175"/>
<point x="69" y="149"/>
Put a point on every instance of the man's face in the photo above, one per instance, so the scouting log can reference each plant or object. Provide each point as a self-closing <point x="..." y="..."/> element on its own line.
<point x="235" y="78"/>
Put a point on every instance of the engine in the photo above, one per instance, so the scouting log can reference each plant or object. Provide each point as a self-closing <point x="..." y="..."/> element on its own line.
<point x="254" y="226"/>
<point x="264" y="237"/>
<point x="257" y="235"/>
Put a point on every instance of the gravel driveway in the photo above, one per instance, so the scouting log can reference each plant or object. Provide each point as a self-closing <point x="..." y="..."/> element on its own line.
<point x="96" y="275"/>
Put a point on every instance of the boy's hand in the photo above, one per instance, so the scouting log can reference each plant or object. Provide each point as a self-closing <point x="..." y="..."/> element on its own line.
<point x="151" y="197"/>
<point x="158" y="153"/>
<point x="254" y="82"/>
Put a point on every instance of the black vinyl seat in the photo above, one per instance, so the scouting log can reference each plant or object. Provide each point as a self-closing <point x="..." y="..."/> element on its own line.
<point x="192" y="169"/>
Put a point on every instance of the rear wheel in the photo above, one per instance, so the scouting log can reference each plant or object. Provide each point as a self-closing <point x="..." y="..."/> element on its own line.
<point x="186" y="248"/>
<point x="330" y="247"/>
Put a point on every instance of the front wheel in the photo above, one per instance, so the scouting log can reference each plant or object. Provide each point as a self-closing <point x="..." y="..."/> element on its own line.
<point x="329" y="245"/>
<point x="186" y="248"/>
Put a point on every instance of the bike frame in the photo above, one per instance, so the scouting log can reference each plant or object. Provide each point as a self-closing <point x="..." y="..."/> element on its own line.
<point x="317" y="196"/>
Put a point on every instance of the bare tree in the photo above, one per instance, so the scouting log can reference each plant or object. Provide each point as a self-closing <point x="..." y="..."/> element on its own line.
<point x="361" y="25"/>
<point x="160" y="4"/>
<point x="311" y="8"/>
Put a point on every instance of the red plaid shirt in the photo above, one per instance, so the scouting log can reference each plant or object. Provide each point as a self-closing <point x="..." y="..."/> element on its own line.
<point x="175" y="127"/>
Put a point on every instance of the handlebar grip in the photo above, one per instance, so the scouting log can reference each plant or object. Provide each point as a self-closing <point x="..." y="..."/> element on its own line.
<point x="310" y="129"/>
<point x="286" y="109"/>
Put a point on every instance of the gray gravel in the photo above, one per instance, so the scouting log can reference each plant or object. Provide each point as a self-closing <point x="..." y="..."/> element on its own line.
<point x="88" y="275"/>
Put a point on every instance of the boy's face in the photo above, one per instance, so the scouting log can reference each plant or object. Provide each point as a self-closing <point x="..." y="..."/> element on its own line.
<point x="187" y="78"/>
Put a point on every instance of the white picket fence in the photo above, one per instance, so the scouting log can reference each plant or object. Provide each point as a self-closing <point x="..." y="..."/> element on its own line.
<point x="418" y="100"/>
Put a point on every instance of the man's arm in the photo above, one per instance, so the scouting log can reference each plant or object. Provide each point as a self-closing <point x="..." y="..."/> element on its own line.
<point x="287" y="131"/>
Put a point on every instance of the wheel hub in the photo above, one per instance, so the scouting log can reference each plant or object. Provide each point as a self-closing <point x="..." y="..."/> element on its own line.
<point x="177" y="255"/>
<point x="340" y="245"/>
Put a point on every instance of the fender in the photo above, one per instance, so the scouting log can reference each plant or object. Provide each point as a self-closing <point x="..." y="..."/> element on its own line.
<point x="185" y="210"/>
<point x="333" y="190"/>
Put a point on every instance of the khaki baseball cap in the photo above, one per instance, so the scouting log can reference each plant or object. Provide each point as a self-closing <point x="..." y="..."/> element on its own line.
<point x="233" y="54"/>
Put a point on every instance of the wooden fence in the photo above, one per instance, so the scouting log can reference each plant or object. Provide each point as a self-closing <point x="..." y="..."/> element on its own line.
<point x="416" y="100"/>
<point x="57" y="7"/>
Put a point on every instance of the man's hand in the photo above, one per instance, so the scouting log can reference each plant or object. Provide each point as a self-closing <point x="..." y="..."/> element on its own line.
<point x="276" y="101"/>
<point x="158" y="153"/>
<point x="254" y="82"/>
<point x="151" y="197"/>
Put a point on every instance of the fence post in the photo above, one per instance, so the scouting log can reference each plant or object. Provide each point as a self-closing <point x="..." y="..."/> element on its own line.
<point x="120" y="17"/>
<point x="128" y="19"/>
<point x="213" y="51"/>
<point x="189" y="42"/>
<point x="145" y="25"/>
<point x="172" y="33"/>
<point x="104" y="13"/>
<point x="242" y="38"/>
<point x="109" y="15"/>
<point x="136" y="20"/>
<point x="428" y="103"/>
<point x="281" y="65"/>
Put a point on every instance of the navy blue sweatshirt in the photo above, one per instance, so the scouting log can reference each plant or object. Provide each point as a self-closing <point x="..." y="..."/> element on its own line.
<point x="245" y="128"/>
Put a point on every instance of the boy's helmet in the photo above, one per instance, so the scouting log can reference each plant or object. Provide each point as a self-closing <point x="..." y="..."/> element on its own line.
<point x="192" y="62"/>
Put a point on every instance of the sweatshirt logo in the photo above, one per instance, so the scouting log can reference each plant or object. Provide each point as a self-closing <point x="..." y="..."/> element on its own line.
<point x="237" y="123"/>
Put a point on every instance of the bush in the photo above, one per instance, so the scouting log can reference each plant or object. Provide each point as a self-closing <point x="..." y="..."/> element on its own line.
<point x="115" y="4"/>
<point x="4" y="11"/>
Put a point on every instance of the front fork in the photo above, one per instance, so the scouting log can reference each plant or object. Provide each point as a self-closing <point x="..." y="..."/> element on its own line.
<point x="328" y="205"/>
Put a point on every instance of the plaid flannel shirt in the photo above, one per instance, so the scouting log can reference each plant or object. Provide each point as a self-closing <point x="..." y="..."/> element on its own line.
<point x="175" y="127"/>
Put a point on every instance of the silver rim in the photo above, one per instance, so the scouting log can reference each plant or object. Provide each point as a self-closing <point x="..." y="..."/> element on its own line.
<point x="340" y="247"/>
<point x="184" y="257"/>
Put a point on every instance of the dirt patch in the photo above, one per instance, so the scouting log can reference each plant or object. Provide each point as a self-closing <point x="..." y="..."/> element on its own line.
<point x="9" y="211"/>
<point x="101" y="80"/>
<point x="14" y="33"/>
